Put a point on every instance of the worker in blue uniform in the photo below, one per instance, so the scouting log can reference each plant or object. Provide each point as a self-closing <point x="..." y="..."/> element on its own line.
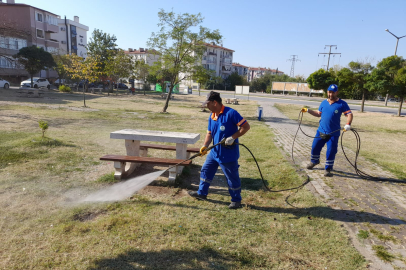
<point x="330" y="111"/>
<point x="224" y="122"/>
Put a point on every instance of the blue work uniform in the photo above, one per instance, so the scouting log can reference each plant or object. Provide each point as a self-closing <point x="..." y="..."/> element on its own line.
<point x="329" y="124"/>
<point x="223" y="126"/>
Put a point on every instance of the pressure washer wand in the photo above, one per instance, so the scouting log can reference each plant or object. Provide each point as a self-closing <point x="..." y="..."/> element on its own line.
<point x="198" y="154"/>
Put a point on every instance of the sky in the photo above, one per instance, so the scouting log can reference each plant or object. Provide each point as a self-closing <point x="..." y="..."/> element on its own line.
<point x="263" y="33"/>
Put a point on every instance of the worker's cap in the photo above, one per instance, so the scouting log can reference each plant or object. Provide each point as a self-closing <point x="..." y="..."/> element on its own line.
<point x="211" y="97"/>
<point x="333" y="88"/>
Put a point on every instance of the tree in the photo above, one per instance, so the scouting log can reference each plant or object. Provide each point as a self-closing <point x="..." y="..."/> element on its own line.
<point x="34" y="60"/>
<point x="180" y="48"/>
<point x="202" y="76"/>
<point x="354" y="79"/>
<point x="234" y="79"/>
<point x="80" y="69"/>
<point x="141" y="73"/>
<point x="400" y="90"/>
<point x="60" y="61"/>
<point x="118" y="66"/>
<point x="104" y="47"/>
<point x="321" y="79"/>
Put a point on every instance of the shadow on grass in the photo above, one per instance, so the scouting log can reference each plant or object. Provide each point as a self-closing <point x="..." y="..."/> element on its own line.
<point x="205" y="258"/>
<point x="344" y="174"/>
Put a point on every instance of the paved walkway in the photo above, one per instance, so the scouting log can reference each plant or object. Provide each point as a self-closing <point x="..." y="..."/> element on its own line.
<point x="376" y="207"/>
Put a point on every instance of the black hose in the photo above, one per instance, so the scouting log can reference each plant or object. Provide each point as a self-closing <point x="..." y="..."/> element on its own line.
<point x="360" y="173"/>
<point x="263" y="181"/>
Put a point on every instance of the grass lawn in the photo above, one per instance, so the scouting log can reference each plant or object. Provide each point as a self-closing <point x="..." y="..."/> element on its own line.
<point x="383" y="136"/>
<point x="160" y="227"/>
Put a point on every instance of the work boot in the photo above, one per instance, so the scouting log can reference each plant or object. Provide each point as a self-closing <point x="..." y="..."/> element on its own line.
<point x="328" y="173"/>
<point x="234" y="205"/>
<point x="196" y="195"/>
<point x="311" y="165"/>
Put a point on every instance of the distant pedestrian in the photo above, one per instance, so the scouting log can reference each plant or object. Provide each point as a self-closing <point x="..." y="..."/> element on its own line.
<point x="330" y="111"/>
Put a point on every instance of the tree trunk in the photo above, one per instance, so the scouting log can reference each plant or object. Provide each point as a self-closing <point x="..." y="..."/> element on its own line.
<point x="167" y="99"/>
<point x="84" y="98"/>
<point x="400" y="105"/>
<point x="386" y="99"/>
<point x="363" y="101"/>
<point x="32" y="83"/>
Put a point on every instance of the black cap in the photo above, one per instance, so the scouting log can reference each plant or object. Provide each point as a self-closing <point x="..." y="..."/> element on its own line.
<point x="212" y="96"/>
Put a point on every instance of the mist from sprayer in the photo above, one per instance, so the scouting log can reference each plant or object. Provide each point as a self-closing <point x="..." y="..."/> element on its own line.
<point x="123" y="190"/>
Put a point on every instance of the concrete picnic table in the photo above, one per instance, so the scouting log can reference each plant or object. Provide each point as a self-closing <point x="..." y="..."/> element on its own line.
<point x="133" y="138"/>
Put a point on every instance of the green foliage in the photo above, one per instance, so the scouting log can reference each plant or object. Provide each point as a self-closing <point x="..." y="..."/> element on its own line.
<point x="382" y="254"/>
<point x="233" y="80"/>
<point x="321" y="79"/>
<point x="180" y="43"/>
<point x="43" y="125"/>
<point x="118" y="65"/>
<point x="202" y="75"/>
<point x="35" y="59"/>
<point x="107" y="178"/>
<point x="64" y="88"/>
<point x="363" y="234"/>
<point x="102" y="45"/>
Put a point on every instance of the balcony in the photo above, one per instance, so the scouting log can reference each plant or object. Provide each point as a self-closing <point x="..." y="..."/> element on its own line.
<point x="51" y="43"/>
<point x="51" y="28"/>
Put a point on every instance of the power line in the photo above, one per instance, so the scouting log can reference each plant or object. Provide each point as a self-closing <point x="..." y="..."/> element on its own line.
<point x="292" y="69"/>
<point x="330" y="53"/>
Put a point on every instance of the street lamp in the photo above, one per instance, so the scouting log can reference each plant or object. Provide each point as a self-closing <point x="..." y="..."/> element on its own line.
<point x="387" y="30"/>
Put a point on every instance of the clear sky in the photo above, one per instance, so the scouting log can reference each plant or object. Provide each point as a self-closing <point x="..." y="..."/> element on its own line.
<point x="263" y="32"/>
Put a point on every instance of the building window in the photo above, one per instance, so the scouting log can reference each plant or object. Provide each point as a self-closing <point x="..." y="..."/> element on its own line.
<point x="40" y="33"/>
<point x="39" y="17"/>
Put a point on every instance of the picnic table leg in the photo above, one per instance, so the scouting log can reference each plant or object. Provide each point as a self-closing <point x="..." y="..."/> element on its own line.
<point x="133" y="149"/>
<point x="181" y="153"/>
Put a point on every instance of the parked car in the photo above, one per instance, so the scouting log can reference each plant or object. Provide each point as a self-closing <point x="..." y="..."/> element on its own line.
<point x="4" y="83"/>
<point x="37" y="82"/>
<point x="121" y="86"/>
<point x="59" y="81"/>
<point x="392" y="100"/>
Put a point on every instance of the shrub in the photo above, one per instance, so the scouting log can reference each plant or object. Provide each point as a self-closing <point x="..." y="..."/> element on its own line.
<point x="64" y="88"/>
<point x="43" y="125"/>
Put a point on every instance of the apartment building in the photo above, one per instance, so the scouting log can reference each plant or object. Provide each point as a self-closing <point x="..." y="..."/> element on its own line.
<point x="72" y="37"/>
<point x="254" y="73"/>
<point x="148" y="57"/>
<point x="24" y="25"/>
<point x="240" y="69"/>
<point x="219" y="59"/>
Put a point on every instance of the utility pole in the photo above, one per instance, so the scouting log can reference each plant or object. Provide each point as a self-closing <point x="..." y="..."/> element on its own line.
<point x="329" y="53"/>
<point x="292" y="69"/>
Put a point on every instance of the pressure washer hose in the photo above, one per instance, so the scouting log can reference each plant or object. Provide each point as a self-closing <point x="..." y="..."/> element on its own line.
<point x="222" y="142"/>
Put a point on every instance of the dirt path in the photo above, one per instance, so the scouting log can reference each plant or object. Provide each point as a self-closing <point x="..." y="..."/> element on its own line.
<point x="376" y="207"/>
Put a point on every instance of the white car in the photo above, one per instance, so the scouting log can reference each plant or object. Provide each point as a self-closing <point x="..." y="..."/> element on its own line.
<point x="37" y="82"/>
<point x="4" y="83"/>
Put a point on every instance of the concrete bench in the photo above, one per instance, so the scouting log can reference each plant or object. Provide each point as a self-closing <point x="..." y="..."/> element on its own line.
<point x="31" y="92"/>
<point x="234" y="101"/>
<point x="228" y="101"/>
<point x="93" y="89"/>
<point x="145" y="146"/>
<point x="120" y="161"/>
<point x="165" y="95"/>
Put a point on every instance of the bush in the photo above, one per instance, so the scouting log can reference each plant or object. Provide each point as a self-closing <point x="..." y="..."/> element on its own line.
<point x="64" y="88"/>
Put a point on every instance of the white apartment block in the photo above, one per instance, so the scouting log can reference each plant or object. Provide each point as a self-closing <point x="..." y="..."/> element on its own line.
<point x="72" y="37"/>
<point x="148" y="57"/>
<point x="254" y="73"/>
<point x="240" y="69"/>
<point x="219" y="59"/>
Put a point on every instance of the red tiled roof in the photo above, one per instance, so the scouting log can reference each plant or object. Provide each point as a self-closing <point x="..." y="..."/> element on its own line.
<point x="216" y="46"/>
<point x="238" y="65"/>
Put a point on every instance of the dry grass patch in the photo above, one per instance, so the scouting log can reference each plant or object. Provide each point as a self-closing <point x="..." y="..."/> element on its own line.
<point x="161" y="227"/>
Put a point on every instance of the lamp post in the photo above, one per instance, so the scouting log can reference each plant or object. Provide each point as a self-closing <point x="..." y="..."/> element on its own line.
<point x="397" y="42"/>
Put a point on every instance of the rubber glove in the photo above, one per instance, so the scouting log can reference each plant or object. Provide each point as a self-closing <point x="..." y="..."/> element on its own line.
<point x="203" y="150"/>
<point x="347" y="127"/>
<point x="229" y="141"/>
<point x="304" y="109"/>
